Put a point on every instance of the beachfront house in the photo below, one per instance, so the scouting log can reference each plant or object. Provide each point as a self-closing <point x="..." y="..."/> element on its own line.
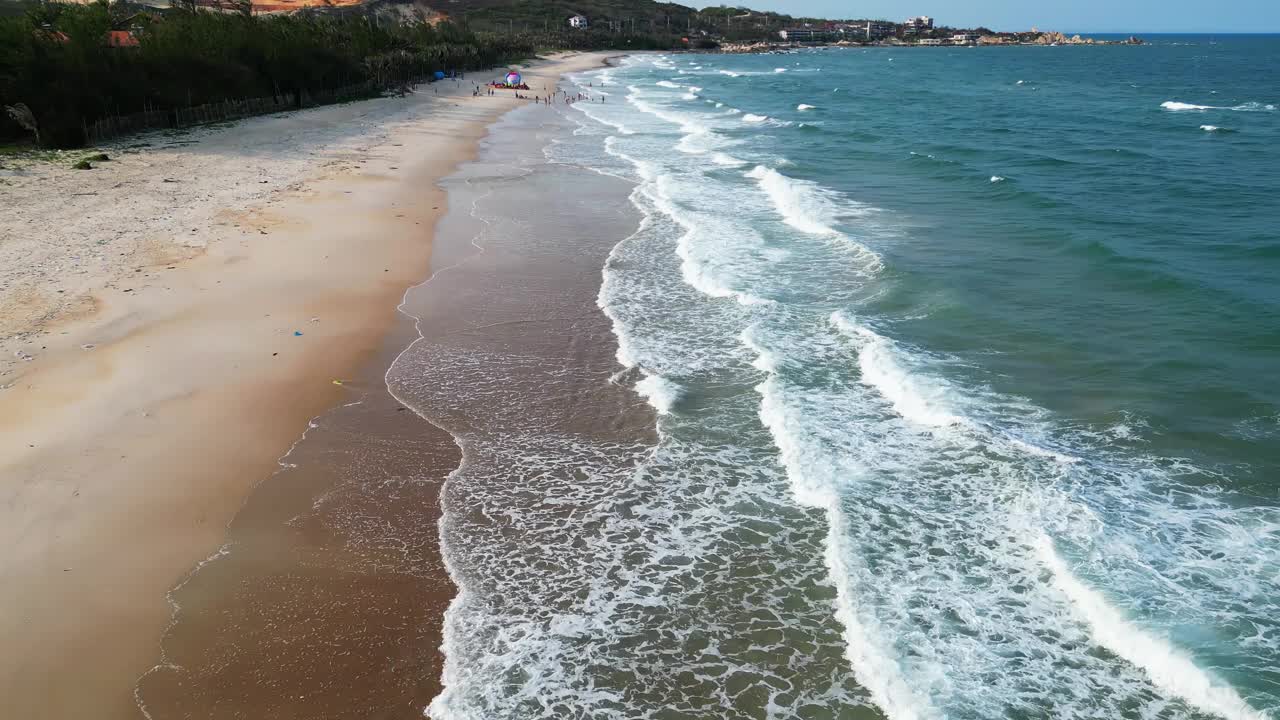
<point x="964" y="38"/>
<point x="579" y="22"/>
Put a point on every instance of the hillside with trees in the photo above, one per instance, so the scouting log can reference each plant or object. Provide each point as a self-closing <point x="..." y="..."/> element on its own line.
<point x="617" y="18"/>
<point x="67" y="66"/>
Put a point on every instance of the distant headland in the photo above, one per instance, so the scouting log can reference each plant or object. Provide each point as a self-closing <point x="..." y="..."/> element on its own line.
<point x="915" y="31"/>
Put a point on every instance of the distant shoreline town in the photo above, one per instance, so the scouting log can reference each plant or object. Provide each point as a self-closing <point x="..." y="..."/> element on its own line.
<point x="914" y="32"/>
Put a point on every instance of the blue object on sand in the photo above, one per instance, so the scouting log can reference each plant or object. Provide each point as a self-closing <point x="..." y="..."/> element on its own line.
<point x="297" y="333"/>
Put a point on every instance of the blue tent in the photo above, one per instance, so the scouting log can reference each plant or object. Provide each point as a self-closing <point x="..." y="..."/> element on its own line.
<point x="439" y="75"/>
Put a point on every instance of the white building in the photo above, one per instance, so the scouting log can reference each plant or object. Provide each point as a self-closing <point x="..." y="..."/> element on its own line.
<point x="917" y="25"/>
<point x="579" y="22"/>
<point x="804" y="35"/>
<point x="964" y="38"/>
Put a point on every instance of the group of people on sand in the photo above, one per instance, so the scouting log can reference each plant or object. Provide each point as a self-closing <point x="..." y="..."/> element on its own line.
<point x="566" y="98"/>
<point x="548" y="100"/>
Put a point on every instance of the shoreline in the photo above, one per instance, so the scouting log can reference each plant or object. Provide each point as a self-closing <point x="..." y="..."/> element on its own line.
<point x="134" y="434"/>
<point x="518" y="365"/>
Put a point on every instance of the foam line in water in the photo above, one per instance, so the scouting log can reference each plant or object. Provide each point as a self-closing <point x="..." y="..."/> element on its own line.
<point x="726" y="160"/>
<point x="695" y="269"/>
<point x="697" y="134"/>
<point x="800" y="203"/>
<point x="913" y="397"/>
<point x="1175" y="106"/>
<point x="872" y="661"/>
<point x="1169" y="668"/>
<point x="625" y="356"/>
<point x="810" y="208"/>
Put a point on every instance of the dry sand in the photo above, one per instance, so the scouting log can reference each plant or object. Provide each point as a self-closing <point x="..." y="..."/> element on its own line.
<point x="166" y="374"/>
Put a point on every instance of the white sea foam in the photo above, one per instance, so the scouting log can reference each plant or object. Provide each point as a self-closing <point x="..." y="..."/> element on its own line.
<point x="997" y="179"/>
<point x="588" y="110"/>
<point x="700" y="261"/>
<point x="1175" y="106"/>
<point x="779" y="70"/>
<point x="1169" y="668"/>
<point x="801" y="204"/>
<point x="726" y="160"/>
<point x="1210" y="128"/>
<point x="660" y="392"/>
<point x="867" y="648"/>
<point x="689" y="96"/>
<point x="730" y="73"/>
<point x="753" y="118"/>
<point x="668" y="84"/>
<point x="625" y="355"/>
<point x="698" y="136"/>
<point x="928" y="401"/>
<point x="919" y="400"/>
<point x="935" y="492"/>
<point x="802" y="107"/>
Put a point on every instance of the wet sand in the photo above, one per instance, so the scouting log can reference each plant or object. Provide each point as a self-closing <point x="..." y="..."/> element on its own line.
<point x="134" y="436"/>
<point x="328" y="600"/>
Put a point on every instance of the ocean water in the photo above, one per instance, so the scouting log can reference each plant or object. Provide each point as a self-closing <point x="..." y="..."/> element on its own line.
<point x="963" y="372"/>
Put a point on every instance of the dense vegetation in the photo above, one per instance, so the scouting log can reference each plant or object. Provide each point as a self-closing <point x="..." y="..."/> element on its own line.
<point x="617" y="23"/>
<point x="55" y="59"/>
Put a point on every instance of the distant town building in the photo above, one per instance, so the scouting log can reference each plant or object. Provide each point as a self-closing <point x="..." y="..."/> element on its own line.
<point x="579" y="21"/>
<point x="964" y="38"/>
<point x="879" y="30"/>
<point x="803" y="35"/>
<point x="931" y="41"/>
<point x="917" y="25"/>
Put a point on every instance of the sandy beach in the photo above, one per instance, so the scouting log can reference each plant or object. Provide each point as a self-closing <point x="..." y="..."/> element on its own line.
<point x="171" y="321"/>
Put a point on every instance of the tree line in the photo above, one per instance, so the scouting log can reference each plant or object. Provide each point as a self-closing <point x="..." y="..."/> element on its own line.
<point x="62" y="69"/>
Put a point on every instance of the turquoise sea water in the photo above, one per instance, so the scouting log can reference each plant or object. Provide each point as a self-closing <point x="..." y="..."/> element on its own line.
<point x="967" y="365"/>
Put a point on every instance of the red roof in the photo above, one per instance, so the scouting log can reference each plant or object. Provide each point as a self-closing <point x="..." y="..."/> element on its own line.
<point x="121" y="38"/>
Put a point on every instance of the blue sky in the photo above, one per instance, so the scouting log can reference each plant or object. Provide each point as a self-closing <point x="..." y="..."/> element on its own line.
<point x="1202" y="16"/>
